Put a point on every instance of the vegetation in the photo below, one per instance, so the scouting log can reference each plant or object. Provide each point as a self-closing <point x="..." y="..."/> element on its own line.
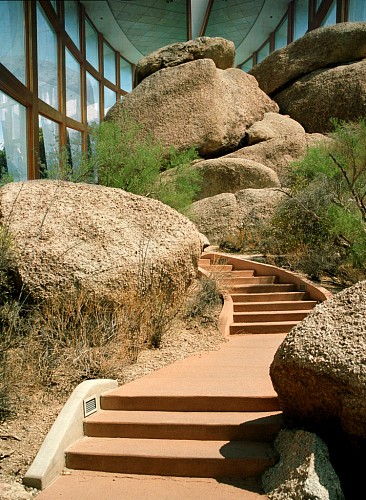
<point x="321" y="225"/>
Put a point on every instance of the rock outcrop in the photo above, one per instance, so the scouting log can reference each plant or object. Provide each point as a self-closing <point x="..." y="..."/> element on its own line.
<point x="229" y="175"/>
<point x="196" y="104"/>
<point x="335" y="92"/>
<point x="101" y="239"/>
<point x="321" y="48"/>
<point x="319" y="76"/>
<point x="303" y="471"/>
<point x="227" y="216"/>
<point x="273" y="126"/>
<point x="221" y="51"/>
<point x="319" y="371"/>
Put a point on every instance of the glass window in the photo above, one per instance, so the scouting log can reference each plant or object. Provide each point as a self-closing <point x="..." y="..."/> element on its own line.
<point x="13" y="139"/>
<point x="248" y="65"/>
<point x="281" y="34"/>
<point x="74" y="149"/>
<point x="72" y="21"/>
<point x="91" y="45"/>
<point x="125" y="75"/>
<point x="263" y="52"/>
<point x="318" y="2"/>
<point x="109" y="99"/>
<point x="92" y="98"/>
<point x="331" y="16"/>
<point x="301" y="18"/>
<point x="53" y="3"/>
<point x="12" y="46"/>
<point x="47" y="60"/>
<point x="109" y="63"/>
<point x="73" y="94"/>
<point x="356" y="10"/>
<point x="49" y="152"/>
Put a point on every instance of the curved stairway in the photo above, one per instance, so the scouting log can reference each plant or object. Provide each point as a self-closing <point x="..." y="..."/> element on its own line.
<point x="214" y="414"/>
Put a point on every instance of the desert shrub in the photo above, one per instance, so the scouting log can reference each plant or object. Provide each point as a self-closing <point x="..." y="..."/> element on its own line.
<point x="321" y="225"/>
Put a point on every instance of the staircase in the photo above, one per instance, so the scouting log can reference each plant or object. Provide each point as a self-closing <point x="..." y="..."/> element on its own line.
<point x="212" y="415"/>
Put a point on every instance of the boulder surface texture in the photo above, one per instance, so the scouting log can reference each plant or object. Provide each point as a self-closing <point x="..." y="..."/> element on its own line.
<point x="319" y="371"/>
<point x="303" y="471"/>
<point x="99" y="238"/>
<point x="196" y="104"/>
<point x="221" y="51"/>
<point x="319" y="76"/>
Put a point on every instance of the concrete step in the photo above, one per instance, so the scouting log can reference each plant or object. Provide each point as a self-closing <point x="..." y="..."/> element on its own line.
<point x="283" y="305"/>
<point x="268" y="297"/>
<point x="263" y="327"/>
<point x="190" y="403"/>
<point x="247" y="280"/>
<point x="239" y="273"/>
<point x="262" y="288"/>
<point x="167" y="457"/>
<point x="218" y="268"/>
<point x="214" y="426"/>
<point x="265" y="316"/>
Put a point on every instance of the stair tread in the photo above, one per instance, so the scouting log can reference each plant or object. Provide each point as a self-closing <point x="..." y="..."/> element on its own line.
<point x="171" y="448"/>
<point x="265" y="323"/>
<point x="188" y="418"/>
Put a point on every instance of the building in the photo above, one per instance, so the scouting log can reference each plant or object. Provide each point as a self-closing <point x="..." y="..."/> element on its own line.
<point x="63" y="64"/>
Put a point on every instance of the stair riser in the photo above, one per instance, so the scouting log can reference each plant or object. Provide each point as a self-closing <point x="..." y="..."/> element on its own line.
<point x="267" y="297"/>
<point x="252" y="432"/>
<point x="210" y="403"/>
<point x="282" y="316"/>
<point x="259" y="329"/>
<point x="248" y="280"/>
<point x="274" y="306"/>
<point x="162" y="466"/>
<point x="261" y="288"/>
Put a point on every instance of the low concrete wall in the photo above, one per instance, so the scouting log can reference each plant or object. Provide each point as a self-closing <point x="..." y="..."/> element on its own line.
<point x="67" y="429"/>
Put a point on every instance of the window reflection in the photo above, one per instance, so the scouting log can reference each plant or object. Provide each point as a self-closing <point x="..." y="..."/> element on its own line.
<point x="301" y="18"/>
<point x="125" y="75"/>
<point x="13" y="140"/>
<point x="73" y="93"/>
<point x="248" y="65"/>
<point x="92" y="98"/>
<point x="47" y="60"/>
<point x="72" y="21"/>
<point x="49" y="149"/>
<point x="356" y="10"/>
<point x="331" y="16"/>
<point x="109" y="63"/>
<point x="74" y="150"/>
<point x="91" y="44"/>
<point x="12" y="46"/>
<point x="263" y="52"/>
<point x="109" y="99"/>
<point x="281" y="35"/>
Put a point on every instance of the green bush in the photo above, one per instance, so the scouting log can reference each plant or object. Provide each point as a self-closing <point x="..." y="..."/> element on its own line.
<point x="321" y="224"/>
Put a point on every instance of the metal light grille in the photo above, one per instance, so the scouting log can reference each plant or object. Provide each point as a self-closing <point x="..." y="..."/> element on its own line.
<point x="90" y="406"/>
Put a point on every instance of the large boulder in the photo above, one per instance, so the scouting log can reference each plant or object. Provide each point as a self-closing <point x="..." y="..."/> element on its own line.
<point x="303" y="471"/>
<point x="229" y="175"/>
<point x="221" y="51"/>
<point x="319" y="371"/>
<point x="101" y="239"/>
<point x="273" y="126"/>
<point x="320" y="48"/>
<point x="196" y="104"/>
<point x="316" y="98"/>
<point x="228" y="217"/>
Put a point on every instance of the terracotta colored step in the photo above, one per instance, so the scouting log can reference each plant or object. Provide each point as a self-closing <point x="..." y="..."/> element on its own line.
<point x="240" y="273"/>
<point x="284" y="305"/>
<point x="263" y="316"/>
<point x="262" y="288"/>
<point x="263" y="327"/>
<point x="268" y="297"/>
<point x="218" y="268"/>
<point x="190" y="403"/>
<point x="247" y="280"/>
<point x="215" y="426"/>
<point x="167" y="457"/>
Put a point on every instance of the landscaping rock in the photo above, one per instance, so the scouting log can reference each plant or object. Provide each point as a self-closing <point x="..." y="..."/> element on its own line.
<point x="320" y="48"/>
<point x="196" y="104"/>
<point x="221" y="51"/>
<point x="228" y="217"/>
<point x="273" y="126"/>
<point x="229" y="175"/>
<point x="303" y="471"/>
<point x="98" y="238"/>
<point x="314" y="99"/>
<point x="319" y="371"/>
